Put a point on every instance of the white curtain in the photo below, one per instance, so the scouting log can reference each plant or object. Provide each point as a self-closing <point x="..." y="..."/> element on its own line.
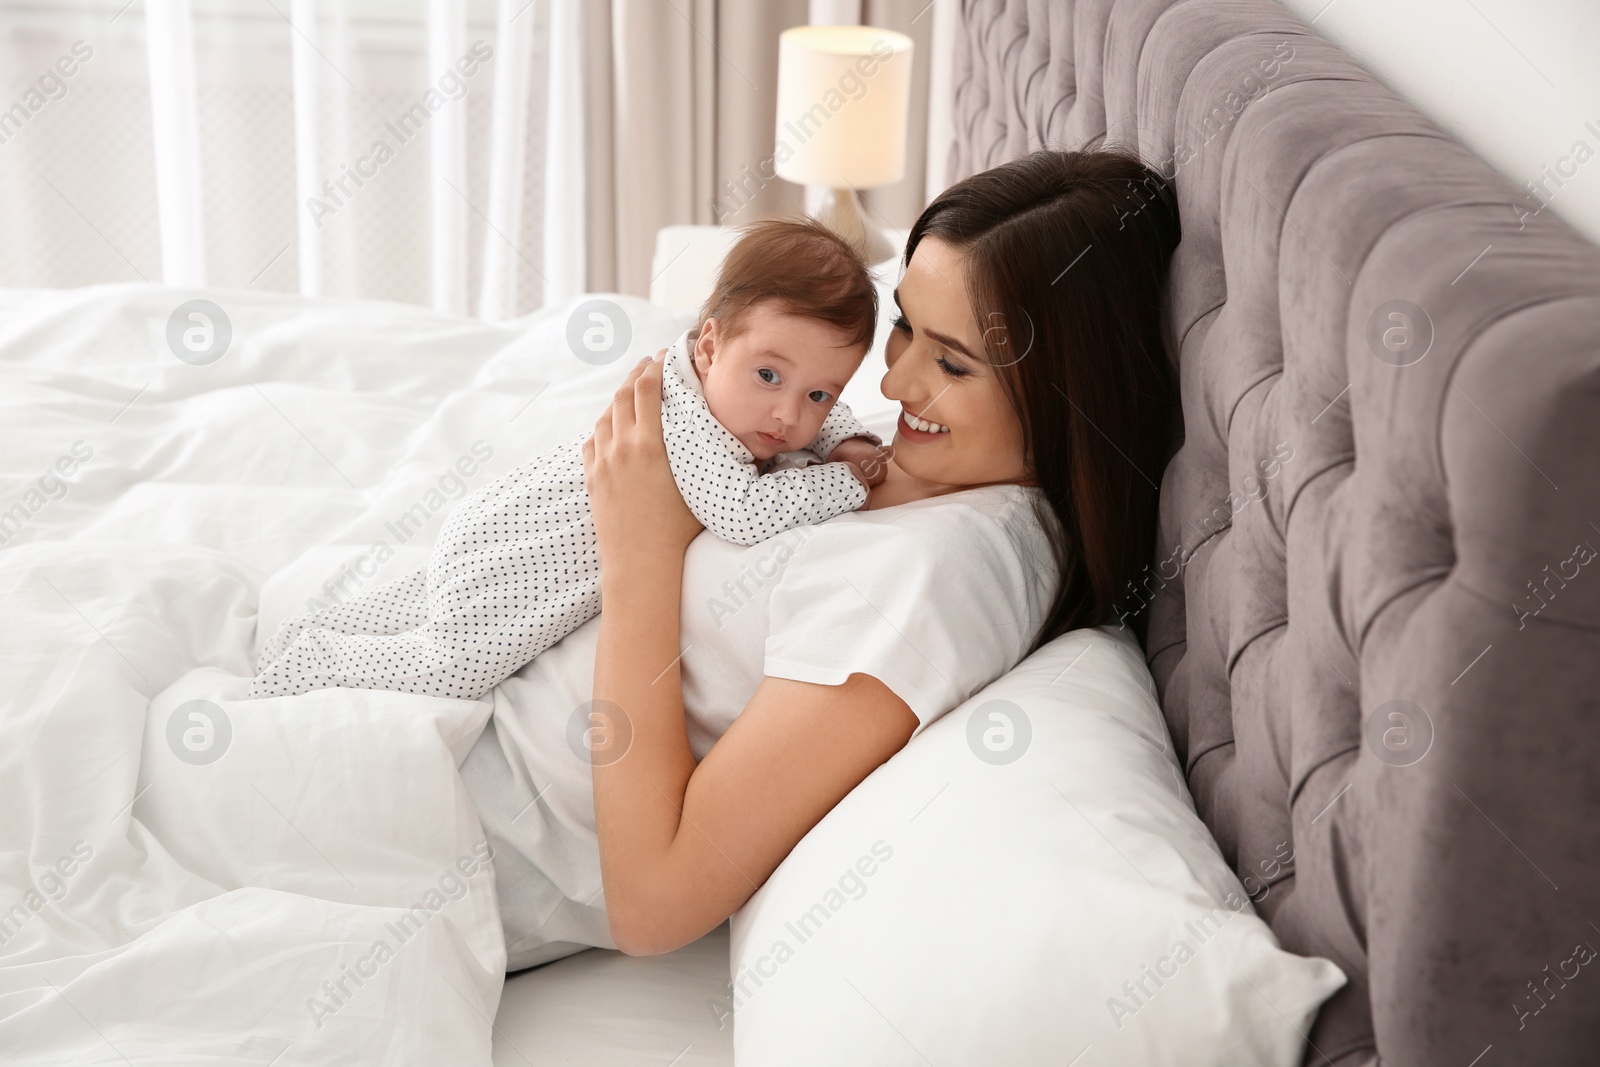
<point x="427" y="151"/>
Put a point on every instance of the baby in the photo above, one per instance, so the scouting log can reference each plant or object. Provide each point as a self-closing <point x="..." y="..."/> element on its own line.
<point x="516" y="566"/>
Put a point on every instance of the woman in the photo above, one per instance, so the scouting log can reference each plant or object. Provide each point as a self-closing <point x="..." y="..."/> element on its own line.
<point x="739" y="693"/>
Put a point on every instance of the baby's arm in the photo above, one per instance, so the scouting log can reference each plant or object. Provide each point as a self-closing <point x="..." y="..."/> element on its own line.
<point x="740" y="506"/>
<point x="845" y="440"/>
<point x="870" y="461"/>
<point x="768" y="504"/>
<point x="838" y="427"/>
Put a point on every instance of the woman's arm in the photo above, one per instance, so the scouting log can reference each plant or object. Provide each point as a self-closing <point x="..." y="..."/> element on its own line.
<point x="683" y="846"/>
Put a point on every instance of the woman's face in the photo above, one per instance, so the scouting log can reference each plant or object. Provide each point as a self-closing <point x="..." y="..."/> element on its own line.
<point x="938" y="374"/>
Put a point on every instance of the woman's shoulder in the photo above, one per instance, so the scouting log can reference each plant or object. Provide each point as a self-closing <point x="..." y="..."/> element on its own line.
<point x="1015" y="510"/>
<point x="934" y="597"/>
<point x="997" y="521"/>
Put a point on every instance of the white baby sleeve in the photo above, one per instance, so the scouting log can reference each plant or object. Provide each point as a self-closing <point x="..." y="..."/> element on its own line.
<point x="840" y="425"/>
<point x="745" y="508"/>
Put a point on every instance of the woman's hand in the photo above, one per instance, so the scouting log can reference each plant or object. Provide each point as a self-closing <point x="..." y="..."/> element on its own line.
<point x="638" y="510"/>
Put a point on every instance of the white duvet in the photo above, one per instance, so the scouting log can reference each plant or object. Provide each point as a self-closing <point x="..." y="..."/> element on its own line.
<point x="187" y="877"/>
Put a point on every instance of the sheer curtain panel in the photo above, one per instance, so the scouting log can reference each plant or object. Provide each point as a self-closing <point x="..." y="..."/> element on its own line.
<point x="427" y="151"/>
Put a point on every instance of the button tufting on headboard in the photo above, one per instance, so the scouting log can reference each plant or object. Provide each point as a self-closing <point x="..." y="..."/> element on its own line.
<point x="1371" y="610"/>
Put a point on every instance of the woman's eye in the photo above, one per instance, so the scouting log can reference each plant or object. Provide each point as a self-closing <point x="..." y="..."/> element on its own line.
<point x="951" y="369"/>
<point x="820" y="396"/>
<point x="900" y="323"/>
<point x="768" y="375"/>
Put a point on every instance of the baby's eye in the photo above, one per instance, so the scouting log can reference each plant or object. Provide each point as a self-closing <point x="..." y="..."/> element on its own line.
<point x="768" y="375"/>
<point x="821" y="396"/>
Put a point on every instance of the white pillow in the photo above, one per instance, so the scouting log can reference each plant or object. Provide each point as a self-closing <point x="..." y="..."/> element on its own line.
<point x="1068" y="907"/>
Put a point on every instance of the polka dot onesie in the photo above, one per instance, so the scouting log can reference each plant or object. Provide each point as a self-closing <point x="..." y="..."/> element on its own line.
<point x="517" y="567"/>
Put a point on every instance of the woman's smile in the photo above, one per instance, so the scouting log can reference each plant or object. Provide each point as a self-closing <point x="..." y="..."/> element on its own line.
<point x="920" y="431"/>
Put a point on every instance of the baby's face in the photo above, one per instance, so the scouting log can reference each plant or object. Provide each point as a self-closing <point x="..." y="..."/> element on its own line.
<point x="774" y="382"/>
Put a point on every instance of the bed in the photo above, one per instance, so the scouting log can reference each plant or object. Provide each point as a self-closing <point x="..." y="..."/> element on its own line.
<point x="1385" y="727"/>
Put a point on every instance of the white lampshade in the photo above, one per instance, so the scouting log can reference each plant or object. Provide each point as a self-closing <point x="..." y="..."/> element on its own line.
<point x="843" y="95"/>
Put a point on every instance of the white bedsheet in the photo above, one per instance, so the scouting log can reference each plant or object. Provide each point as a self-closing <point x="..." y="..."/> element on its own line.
<point x="159" y="908"/>
<point x="602" y="1009"/>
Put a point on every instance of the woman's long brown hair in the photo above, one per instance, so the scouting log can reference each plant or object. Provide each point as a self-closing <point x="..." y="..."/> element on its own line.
<point x="1067" y="256"/>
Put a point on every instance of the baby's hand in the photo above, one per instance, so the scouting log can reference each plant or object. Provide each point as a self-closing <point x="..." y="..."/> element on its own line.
<point x="870" y="461"/>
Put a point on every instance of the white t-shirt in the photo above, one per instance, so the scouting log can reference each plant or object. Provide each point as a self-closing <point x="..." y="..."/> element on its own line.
<point x="935" y="598"/>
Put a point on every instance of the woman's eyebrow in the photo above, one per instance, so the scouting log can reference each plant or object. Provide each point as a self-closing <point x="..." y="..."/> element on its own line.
<point x="952" y="343"/>
<point x="944" y="339"/>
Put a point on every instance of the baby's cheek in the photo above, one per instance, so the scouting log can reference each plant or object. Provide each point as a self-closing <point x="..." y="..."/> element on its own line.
<point x="737" y="413"/>
<point x="722" y="406"/>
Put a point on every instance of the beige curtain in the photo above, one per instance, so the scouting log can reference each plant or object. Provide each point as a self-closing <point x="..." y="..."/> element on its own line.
<point x="680" y="100"/>
<point x="897" y="206"/>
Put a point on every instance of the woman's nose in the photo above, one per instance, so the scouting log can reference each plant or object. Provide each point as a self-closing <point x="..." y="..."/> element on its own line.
<point x="897" y="343"/>
<point x="900" y="379"/>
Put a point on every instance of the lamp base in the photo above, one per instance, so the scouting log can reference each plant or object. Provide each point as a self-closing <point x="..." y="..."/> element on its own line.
<point x="840" y="211"/>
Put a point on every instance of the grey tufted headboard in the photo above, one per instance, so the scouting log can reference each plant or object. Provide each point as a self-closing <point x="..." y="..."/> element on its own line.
<point x="1372" y="610"/>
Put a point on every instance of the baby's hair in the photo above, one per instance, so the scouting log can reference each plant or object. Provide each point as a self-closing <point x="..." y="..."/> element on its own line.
<point x="802" y="265"/>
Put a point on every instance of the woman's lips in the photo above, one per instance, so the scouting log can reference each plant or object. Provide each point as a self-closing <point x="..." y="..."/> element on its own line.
<point x="914" y="435"/>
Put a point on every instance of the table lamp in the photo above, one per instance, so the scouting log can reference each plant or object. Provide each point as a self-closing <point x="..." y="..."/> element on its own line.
<point x="843" y="94"/>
